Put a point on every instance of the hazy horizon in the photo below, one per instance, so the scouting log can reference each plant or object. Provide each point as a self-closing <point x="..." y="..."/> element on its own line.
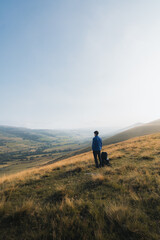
<point x="106" y="129"/>
<point x="79" y="64"/>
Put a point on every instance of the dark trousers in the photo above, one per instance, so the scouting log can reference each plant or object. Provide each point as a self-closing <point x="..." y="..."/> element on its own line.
<point x="95" y="154"/>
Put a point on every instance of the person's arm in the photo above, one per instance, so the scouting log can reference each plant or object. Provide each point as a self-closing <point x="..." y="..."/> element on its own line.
<point x="101" y="142"/>
<point x="92" y="143"/>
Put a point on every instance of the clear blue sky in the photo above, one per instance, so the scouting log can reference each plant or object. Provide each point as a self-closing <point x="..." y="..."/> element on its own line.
<point x="79" y="63"/>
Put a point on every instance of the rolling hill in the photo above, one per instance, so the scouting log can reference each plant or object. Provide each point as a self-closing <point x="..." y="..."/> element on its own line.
<point x="141" y="130"/>
<point x="71" y="199"/>
<point x="22" y="148"/>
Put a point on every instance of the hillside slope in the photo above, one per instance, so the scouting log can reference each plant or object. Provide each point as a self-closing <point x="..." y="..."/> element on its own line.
<point x="144" y="129"/>
<point x="73" y="200"/>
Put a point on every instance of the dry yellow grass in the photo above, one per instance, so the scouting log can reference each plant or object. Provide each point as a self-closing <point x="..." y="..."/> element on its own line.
<point x="71" y="199"/>
<point x="99" y="177"/>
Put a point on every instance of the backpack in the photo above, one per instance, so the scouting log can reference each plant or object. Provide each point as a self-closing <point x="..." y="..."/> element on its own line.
<point x="104" y="158"/>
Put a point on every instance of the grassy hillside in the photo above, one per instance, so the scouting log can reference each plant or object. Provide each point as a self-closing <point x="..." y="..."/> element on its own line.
<point x="144" y="129"/>
<point x="72" y="200"/>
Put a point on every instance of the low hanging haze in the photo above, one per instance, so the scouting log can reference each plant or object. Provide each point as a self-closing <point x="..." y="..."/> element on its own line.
<point x="79" y="63"/>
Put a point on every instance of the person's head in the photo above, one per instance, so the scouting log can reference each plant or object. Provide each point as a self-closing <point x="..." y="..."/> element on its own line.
<point x="96" y="133"/>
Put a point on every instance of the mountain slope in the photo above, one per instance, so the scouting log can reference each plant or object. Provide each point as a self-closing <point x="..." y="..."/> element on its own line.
<point x="72" y="199"/>
<point x="145" y="129"/>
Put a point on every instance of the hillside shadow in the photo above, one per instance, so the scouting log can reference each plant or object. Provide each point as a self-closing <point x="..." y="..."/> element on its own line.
<point x="56" y="197"/>
<point x="69" y="173"/>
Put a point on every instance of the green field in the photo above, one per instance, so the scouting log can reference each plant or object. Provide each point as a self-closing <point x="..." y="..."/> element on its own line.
<point x="22" y="148"/>
<point x="71" y="199"/>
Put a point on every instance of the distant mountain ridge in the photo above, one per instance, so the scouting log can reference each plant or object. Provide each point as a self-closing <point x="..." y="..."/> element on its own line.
<point x="39" y="134"/>
<point x="131" y="126"/>
<point x="141" y="130"/>
<point x="156" y="122"/>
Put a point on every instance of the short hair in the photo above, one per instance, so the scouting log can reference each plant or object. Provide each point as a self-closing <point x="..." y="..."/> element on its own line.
<point x="96" y="132"/>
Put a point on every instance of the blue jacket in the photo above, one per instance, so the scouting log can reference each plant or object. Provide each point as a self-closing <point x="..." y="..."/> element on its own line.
<point x="96" y="144"/>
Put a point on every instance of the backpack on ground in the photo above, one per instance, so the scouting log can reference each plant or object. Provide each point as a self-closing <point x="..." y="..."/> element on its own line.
<point x="105" y="159"/>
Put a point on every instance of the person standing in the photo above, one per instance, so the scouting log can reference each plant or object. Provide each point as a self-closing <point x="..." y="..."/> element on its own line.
<point x="96" y="147"/>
